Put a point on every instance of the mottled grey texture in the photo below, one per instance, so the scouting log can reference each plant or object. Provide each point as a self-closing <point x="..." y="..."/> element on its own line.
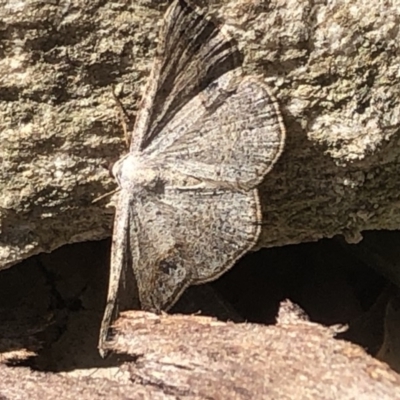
<point x="204" y="138"/>
<point x="333" y="67"/>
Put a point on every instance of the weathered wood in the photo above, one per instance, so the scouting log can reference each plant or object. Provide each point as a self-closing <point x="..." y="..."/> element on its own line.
<point x="174" y="357"/>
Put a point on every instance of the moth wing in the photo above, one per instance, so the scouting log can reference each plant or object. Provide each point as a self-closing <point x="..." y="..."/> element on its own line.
<point x="124" y="251"/>
<point x="232" y="133"/>
<point x="192" y="53"/>
<point x="191" y="237"/>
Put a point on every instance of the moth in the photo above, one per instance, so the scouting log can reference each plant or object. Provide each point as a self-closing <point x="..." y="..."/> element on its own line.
<point x="205" y="136"/>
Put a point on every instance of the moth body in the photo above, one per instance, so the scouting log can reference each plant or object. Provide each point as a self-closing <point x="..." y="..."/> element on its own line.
<point x="133" y="172"/>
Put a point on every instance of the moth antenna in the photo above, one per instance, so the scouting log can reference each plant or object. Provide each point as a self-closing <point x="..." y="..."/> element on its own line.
<point x="105" y="195"/>
<point x="123" y="116"/>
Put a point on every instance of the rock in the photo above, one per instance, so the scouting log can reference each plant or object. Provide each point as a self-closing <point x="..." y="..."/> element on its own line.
<point x="333" y="68"/>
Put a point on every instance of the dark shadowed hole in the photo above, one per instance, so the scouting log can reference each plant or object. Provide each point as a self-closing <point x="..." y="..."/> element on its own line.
<point x="52" y="304"/>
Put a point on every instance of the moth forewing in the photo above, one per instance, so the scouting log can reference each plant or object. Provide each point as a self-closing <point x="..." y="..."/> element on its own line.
<point x="120" y="248"/>
<point x="191" y="54"/>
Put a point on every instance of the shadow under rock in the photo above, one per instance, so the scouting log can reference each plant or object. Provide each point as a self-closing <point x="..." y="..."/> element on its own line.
<point x="52" y="304"/>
